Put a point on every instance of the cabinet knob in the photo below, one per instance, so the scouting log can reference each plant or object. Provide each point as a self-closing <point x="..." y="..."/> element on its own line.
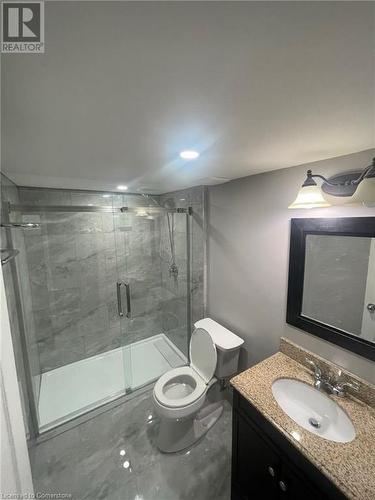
<point x="282" y="486"/>
<point x="271" y="471"/>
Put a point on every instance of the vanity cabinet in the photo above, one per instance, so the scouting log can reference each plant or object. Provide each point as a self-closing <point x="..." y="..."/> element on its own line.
<point x="265" y="465"/>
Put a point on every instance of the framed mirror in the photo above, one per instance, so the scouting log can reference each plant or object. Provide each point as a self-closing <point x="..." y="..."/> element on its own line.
<point x="331" y="286"/>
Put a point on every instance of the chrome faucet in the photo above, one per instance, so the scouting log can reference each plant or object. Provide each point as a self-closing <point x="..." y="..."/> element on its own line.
<point x="318" y="376"/>
<point x="326" y="383"/>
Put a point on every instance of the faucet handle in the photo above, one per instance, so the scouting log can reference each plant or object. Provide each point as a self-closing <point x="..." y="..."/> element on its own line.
<point x="339" y="388"/>
<point x="353" y="385"/>
<point x="316" y="368"/>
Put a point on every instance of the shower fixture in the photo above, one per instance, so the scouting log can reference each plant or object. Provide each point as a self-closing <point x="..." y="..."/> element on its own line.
<point x="149" y="197"/>
<point x="173" y="269"/>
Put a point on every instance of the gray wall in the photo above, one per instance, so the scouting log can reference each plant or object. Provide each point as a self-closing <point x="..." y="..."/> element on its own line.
<point x="248" y="259"/>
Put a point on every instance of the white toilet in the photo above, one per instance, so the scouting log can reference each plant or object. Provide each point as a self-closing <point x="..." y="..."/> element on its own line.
<point x="179" y="395"/>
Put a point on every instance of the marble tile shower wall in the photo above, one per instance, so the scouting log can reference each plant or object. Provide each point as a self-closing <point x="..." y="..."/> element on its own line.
<point x="18" y="293"/>
<point x="174" y="313"/>
<point x="75" y="260"/>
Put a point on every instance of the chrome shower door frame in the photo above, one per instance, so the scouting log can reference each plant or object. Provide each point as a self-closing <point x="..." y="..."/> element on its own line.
<point x="121" y="285"/>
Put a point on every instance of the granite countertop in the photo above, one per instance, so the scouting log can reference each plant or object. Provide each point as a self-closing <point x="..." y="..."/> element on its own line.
<point x="350" y="466"/>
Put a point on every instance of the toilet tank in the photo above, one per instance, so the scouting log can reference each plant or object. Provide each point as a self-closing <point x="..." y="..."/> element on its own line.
<point x="227" y="347"/>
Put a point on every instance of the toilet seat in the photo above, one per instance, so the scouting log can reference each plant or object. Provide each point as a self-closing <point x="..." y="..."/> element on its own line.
<point x="184" y="386"/>
<point x="179" y="387"/>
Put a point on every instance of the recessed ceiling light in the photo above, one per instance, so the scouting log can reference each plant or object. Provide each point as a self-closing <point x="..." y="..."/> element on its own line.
<point x="121" y="187"/>
<point x="189" y="154"/>
<point x="106" y="195"/>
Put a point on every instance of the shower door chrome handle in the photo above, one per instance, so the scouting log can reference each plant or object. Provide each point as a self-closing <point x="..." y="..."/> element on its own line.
<point x="128" y="301"/>
<point x="119" y="299"/>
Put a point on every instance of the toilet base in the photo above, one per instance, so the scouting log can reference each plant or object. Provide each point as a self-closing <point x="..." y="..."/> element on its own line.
<point x="179" y="434"/>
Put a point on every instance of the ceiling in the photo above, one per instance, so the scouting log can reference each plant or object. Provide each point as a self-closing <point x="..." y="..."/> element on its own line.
<point x="124" y="86"/>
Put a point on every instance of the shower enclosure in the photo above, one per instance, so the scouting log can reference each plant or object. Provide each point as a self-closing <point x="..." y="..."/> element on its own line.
<point x="109" y="283"/>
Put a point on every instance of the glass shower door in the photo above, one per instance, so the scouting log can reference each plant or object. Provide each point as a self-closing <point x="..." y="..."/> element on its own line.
<point x="147" y="350"/>
<point x="72" y="273"/>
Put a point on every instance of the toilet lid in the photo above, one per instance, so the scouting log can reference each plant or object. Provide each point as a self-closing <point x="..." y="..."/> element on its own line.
<point x="203" y="356"/>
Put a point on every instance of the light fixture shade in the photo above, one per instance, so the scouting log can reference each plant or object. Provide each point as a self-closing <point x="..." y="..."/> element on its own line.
<point x="310" y="197"/>
<point x="365" y="192"/>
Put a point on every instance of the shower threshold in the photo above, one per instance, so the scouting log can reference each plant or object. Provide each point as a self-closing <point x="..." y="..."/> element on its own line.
<point x="72" y="390"/>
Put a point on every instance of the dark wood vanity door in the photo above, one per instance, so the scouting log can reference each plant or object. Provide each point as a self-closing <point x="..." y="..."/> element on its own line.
<point x="265" y="466"/>
<point x="257" y="466"/>
<point x="294" y="487"/>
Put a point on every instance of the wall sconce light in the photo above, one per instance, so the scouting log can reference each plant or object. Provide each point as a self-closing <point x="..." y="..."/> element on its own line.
<point x="340" y="189"/>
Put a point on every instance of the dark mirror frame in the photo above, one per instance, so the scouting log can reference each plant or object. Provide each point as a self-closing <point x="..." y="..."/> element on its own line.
<point x="300" y="228"/>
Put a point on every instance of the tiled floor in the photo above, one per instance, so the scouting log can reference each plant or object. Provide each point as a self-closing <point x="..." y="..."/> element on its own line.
<point x="113" y="456"/>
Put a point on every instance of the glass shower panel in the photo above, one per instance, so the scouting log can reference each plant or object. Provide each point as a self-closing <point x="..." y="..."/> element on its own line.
<point x="175" y="266"/>
<point x="73" y="275"/>
<point x="148" y="350"/>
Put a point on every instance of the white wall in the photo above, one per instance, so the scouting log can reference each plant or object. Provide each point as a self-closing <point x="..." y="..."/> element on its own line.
<point x="249" y="226"/>
<point x="15" y="477"/>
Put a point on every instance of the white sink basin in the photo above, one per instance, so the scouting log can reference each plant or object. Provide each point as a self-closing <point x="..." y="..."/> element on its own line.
<point x="313" y="410"/>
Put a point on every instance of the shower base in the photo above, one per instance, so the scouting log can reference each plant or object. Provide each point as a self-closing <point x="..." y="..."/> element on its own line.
<point x="74" y="389"/>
